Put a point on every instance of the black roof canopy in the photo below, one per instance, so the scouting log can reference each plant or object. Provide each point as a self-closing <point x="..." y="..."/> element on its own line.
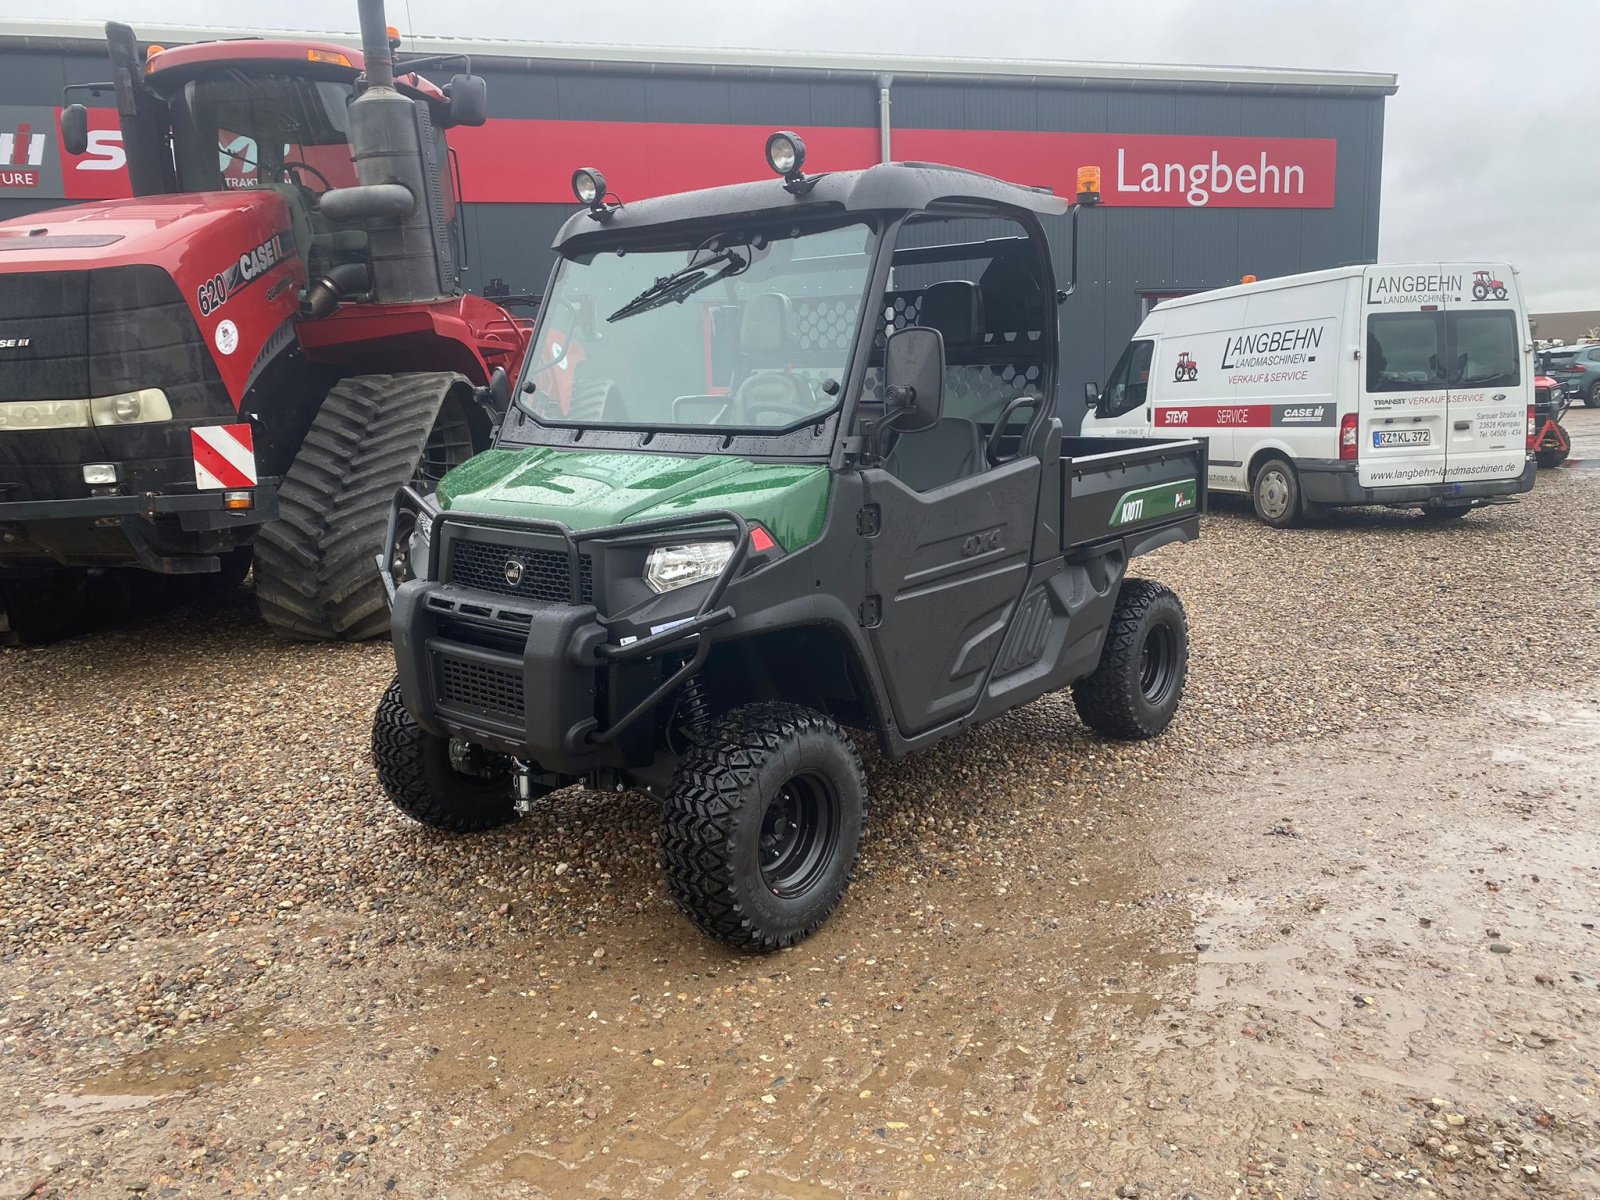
<point x="887" y="187"/>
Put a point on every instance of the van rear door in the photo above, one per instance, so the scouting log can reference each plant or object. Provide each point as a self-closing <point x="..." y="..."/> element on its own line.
<point x="1488" y="379"/>
<point x="1404" y="398"/>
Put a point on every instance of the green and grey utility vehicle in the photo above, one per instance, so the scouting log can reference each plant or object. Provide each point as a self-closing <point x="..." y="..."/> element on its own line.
<point x="784" y="461"/>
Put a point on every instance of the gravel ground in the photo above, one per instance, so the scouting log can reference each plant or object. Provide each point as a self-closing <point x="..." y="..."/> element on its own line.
<point x="227" y="968"/>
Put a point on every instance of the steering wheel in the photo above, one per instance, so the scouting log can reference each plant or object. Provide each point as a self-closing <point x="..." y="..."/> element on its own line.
<point x="295" y="164"/>
<point x="991" y="450"/>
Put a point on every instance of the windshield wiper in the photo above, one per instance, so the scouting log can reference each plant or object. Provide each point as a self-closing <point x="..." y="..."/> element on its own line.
<point x="680" y="285"/>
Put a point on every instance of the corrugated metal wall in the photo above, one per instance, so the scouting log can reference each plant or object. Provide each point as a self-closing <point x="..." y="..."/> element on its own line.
<point x="1124" y="252"/>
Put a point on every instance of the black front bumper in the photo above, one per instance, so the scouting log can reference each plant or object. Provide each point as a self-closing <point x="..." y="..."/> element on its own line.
<point x="181" y="532"/>
<point x="555" y="681"/>
<point x="1334" y="482"/>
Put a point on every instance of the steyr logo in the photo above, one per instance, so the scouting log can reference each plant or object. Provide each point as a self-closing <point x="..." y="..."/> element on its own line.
<point x="514" y="570"/>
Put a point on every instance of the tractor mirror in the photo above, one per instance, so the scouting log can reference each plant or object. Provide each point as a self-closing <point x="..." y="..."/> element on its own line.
<point x="913" y="376"/>
<point x="75" y="129"/>
<point x="499" y="389"/>
<point x="469" y="100"/>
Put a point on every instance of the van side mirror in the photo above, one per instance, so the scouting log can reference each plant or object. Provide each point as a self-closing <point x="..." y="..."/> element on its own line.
<point x="469" y="100"/>
<point x="75" y="129"/>
<point x="1091" y="395"/>
<point x="913" y="377"/>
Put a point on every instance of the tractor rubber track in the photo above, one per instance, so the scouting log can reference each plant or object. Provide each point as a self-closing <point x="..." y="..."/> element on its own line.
<point x="315" y="576"/>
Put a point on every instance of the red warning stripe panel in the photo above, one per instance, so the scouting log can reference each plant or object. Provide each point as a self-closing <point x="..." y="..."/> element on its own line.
<point x="224" y="456"/>
<point x="1214" y="416"/>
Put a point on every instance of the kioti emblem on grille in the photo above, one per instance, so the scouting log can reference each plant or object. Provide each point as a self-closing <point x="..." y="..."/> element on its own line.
<point x="514" y="570"/>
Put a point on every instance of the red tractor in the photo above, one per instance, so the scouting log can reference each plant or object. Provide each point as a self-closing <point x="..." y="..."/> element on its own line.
<point x="254" y="351"/>
<point x="1186" y="370"/>
<point x="1485" y="285"/>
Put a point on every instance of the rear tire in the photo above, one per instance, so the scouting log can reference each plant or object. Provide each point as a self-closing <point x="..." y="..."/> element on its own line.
<point x="37" y="609"/>
<point x="1591" y="398"/>
<point x="419" y="773"/>
<point x="316" y="579"/>
<point x="1275" y="492"/>
<point x="1135" y="690"/>
<point x="762" y="828"/>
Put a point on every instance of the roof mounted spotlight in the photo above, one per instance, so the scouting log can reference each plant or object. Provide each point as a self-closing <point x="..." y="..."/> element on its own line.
<point x="589" y="186"/>
<point x="786" y="155"/>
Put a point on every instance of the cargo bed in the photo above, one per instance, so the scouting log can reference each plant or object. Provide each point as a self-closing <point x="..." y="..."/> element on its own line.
<point x="1127" y="488"/>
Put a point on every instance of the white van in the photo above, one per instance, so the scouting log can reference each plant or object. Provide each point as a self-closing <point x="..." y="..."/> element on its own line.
<point x="1404" y="385"/>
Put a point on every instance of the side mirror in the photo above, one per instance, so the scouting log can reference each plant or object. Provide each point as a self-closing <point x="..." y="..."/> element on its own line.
<point x="469" y="100"/>
<point x="913" y="377"/>
<point x="499" y="390"/>
<point x="75" y="129"/>
<point x="1091" y="395"/>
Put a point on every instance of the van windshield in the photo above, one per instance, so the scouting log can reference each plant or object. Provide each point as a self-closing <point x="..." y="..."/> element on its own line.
<point x="751" y="329"/>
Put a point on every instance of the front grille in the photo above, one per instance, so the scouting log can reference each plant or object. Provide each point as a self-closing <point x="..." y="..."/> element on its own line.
<point x="480" y="688"/>
<point x="482" y="565"/>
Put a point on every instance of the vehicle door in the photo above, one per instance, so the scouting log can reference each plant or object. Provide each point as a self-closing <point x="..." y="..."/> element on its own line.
<point x="950" y="535"/>
<point x="1124" y="407"/>
<point x="1489" y="388"/>
<point x="1402" y="427"/>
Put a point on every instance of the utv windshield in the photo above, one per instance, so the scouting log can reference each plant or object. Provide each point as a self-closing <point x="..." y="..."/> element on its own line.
<point x="749" y="329"/>
<point x="241" y="130"/>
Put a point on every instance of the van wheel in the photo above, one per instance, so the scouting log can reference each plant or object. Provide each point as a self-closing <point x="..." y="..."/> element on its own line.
<point x="1276" y="493"/>
<point x="1134" y="691"/>
<point x="762" y="828"/>
<point x="1592" y="400"/>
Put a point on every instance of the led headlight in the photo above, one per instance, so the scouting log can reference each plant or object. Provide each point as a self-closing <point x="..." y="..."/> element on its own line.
<point x="670" y="567"/>
<point x="589" y="186"/>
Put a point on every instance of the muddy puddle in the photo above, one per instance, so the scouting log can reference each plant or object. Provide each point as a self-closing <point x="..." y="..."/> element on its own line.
<point x="1355" y="967"/>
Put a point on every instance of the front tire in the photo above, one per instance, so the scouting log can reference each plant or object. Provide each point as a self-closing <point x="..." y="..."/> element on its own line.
<point x="762" y="828"/>
<point x="1275" y="492"/>
<point x="38" y="609"/>
<point x="1135" y="690"/>
<point x="457" y="788"/>
<point x="1591" y="398"/>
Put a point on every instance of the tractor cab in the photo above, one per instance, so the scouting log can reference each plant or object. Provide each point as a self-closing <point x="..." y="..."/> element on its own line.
<point x="265" y="115"/>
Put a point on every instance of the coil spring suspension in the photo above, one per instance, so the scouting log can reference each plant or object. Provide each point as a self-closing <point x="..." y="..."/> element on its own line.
<point x="694" y="707"/>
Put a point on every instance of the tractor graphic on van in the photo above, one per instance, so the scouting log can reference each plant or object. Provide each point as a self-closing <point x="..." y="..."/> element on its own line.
<point x="1485" y="286"/>
<point x="1186" y="370"/>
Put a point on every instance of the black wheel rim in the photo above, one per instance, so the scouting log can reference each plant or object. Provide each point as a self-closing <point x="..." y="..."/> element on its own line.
<point x="799" y="835"/>
<point x="1158" y="664"/>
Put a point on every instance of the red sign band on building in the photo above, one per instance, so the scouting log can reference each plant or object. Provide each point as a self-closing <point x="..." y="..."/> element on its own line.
<point x="517" y="161"/>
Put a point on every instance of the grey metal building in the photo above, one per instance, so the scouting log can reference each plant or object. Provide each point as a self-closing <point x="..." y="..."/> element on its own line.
<point x="1209" y="173"/>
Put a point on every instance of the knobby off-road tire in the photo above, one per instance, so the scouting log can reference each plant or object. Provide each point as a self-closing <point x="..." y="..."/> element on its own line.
<point x="315" y="575"/>
<point x="762" y="828"/>
<point x="1135" y="690"/>
<point x="416" y="772"/>
<point x="1552" y="457"/>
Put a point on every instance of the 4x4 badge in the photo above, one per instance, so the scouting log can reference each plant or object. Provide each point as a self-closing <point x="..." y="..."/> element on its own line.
<point x="514" y="570"/>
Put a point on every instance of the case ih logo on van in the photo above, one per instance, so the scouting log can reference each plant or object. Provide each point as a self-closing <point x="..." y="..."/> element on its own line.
<point x="1302" y="414"/>
<point x="252" y="265"/>
<point x="1185" y="370"/>
<point x="15" y="343"/>
<point x="1272" y="347"/>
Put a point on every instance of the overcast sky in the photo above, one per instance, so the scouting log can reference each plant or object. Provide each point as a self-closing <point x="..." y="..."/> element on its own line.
<point x="1490" y="145"/>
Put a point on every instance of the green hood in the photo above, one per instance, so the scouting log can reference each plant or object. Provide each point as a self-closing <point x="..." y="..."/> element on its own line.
<point x="588" y="489"/>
